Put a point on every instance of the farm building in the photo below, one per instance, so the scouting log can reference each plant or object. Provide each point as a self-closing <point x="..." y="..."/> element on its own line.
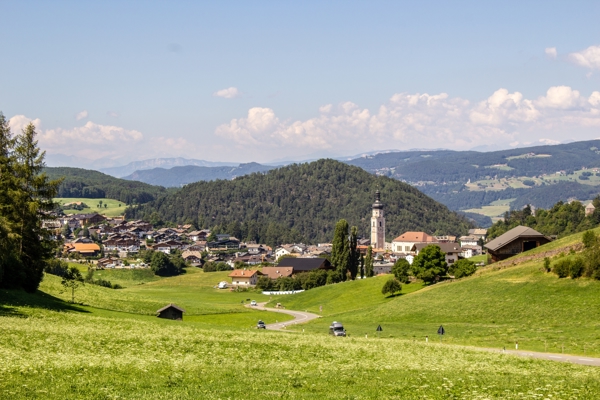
<point x="304" y="264"/>
<point x="244" y="277"/>
<point x="171" y="312"/>
<point x="515" y="241"/>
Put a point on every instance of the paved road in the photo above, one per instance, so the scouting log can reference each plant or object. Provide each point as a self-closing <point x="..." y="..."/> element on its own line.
<point x="302" y="316"/>
<point x="299" y="316"/>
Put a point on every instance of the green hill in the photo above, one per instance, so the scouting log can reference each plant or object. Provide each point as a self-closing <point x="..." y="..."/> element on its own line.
<point x="302" y="202"/>
<point x="83" y="183"/>
<point x="500" y="305"/>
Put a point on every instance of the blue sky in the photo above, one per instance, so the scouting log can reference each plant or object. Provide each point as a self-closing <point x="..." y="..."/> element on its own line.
<point x="112" y="82"/>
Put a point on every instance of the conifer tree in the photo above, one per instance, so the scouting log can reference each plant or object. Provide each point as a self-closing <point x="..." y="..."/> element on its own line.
<point x="354" y="253"/>
<point x="340" y="251"/>
<point x="34" y="202"/>
<point x="369" y="262"/>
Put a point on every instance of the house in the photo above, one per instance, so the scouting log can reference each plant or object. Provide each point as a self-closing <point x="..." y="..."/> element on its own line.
<point x="471" y="251"/>
<point x="85" y="249"/>
<point x="171" y="312"/>
<point x="479" y="233"/>
<point x="244" y="277"/>
<point x="470" y="240"/>
<point x="168" y="246"/>
<point x="193" y="257"/>
<point x="304" y="264"/>
<point x="197" y="235"/>
<point x="451" y="250"/>
<point x="515" y="241"/>
<point x="382" y="268"/>
<point x="290" y="249"/>
<point x="589" y="209"/>
<point x="104" y="262"/>
<point x="87" y="219"/>
<point x="277" y="272"/>
<point x="223" y="245"/>
<point x="405" y="242"/>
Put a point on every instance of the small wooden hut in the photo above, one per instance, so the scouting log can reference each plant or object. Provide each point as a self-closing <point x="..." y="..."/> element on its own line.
<point x="171" y="312"/>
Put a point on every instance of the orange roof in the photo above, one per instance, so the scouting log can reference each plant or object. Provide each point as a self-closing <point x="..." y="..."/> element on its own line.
<point x="276" y="272"/>
<point x="243" y="273"/>
<point x="82" y="247"/>
<point x="415" y="237"/>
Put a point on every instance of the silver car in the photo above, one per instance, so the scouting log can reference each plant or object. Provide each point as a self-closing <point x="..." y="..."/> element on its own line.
<point x="337" y="329"/>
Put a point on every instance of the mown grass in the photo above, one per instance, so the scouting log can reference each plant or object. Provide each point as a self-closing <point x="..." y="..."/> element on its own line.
<point x="114" y="208"/>
<point x="70" y="355"/>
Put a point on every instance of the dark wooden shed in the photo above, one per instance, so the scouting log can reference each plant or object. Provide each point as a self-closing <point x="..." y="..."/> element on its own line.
<point x="171" y="312"/>
<point x="515" y="241"/>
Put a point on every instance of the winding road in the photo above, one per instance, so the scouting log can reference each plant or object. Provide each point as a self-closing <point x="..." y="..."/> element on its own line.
<point x="299" y="316"/>
<point x="303" y="316"/>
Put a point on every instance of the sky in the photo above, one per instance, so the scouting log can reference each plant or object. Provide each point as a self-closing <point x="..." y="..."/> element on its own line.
<point x="109" y="82"/>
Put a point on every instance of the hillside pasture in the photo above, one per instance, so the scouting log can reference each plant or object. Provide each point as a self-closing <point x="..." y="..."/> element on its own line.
<point x="114" y="208"/>
<point x="73" y="355"/>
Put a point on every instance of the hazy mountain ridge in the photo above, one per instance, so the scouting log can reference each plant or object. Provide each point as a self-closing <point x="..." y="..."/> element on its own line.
<point x="165" y="163"/>
<point x="179" y="176"/>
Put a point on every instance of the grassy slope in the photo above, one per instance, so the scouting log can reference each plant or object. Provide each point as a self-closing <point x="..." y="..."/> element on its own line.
<point x="71" y="355"/>
<point x="112" y="209"/>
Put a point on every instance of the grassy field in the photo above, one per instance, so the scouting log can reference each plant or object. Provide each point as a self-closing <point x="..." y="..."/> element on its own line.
<point x="114" y="208"/>
<point x="490" y="211"/>
<point x="68" y="354"/>
<point x="113" y="345"/>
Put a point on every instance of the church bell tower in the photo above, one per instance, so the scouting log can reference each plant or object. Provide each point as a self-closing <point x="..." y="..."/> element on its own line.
<point x="378" y="224"/>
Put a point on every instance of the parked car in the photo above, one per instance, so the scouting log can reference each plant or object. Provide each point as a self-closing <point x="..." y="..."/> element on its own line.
<point x="337" y="329"/>
<point x="253" y="303"/>
<point x="261" y="325"/>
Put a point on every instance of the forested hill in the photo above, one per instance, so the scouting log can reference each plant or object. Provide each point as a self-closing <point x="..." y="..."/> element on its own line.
<point x="92" y="184"/>
<point x="302" y="202"/>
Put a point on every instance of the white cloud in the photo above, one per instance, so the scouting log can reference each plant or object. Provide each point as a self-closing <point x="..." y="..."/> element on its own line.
<point x="549" y="141"/>
<point x="229" y="93"/>
<point x="588" y="58"/>
<point x="551" y="52"/>
<point x="422" y="120"/>
<point x="81" y="115"/>
<point x="20" y="122"/>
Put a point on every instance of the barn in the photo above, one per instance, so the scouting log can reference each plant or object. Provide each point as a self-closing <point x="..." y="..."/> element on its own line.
<point x="515" y="241"/>
<point x="171" y="312"/>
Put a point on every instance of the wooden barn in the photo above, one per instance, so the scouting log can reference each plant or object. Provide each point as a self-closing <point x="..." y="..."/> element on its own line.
<point x="171" y="312"/>
<point x="515" y="241"/>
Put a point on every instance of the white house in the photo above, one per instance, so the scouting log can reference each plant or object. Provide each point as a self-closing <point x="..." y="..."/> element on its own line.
<point x="244" y="277"/>
<point x="405" y="242"/>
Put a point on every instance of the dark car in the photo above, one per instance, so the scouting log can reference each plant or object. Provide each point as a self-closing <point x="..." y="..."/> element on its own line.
<point x="337" y="329"/>
<point x="261" y="325"/>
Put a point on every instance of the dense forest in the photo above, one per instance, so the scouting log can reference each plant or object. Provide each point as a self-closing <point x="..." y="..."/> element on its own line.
<point x="179" y="176"/>
<point x="561" y="220"/>
<point x="79" y="182"/>
<point x="302" y="202"/>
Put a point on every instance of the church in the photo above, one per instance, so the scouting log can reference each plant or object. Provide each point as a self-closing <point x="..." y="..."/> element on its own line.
<point x="378" y="224"/>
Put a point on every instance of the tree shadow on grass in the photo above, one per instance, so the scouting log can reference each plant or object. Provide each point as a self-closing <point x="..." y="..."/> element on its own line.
<point x="11" y="300"/>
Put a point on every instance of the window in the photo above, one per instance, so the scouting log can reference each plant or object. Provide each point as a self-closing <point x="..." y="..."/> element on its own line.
<point x="406" y="248"/>
<point x="379" y="223"/>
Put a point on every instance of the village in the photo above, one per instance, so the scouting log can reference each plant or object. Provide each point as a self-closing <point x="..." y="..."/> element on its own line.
<point x="108" y="243"/>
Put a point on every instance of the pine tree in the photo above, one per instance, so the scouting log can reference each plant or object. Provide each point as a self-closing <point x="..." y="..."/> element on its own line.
<point x="340" y="251"/>
<point x="369" y="262"/>
<point x="10" y="270"/>
<point x="354" y="253"/>
<point x="34" y="202"/>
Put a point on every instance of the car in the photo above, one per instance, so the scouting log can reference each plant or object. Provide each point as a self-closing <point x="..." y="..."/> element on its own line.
<point x="261" y="325"/>
<point x="253" y="303"/>
<point x="337" y="329"/>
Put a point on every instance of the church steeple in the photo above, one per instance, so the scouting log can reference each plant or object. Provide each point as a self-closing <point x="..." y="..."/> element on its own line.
<point x="378" y="223"/>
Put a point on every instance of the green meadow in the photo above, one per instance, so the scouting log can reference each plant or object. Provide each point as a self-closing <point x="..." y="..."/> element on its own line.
<point x="110" y="344"/>
<point x="114" y="208"/>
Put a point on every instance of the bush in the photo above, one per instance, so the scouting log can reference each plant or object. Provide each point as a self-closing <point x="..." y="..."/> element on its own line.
<point x="462" y="268"/>
<point x="56" y="267"/>
<point x="528" y="182"/>
<point x="547" y="267"/>
<point x="589" y="239"/>
<point x="163" y="265"/>
<point x="562" y="267"/>
<point x="391" y="286"/>
<point x="401" y="270"/>
<point x="216" y="266"/>
<point x="577" y="267"/>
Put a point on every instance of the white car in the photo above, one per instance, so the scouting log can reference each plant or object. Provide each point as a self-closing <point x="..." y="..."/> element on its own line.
<point x="253" y="303"/>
